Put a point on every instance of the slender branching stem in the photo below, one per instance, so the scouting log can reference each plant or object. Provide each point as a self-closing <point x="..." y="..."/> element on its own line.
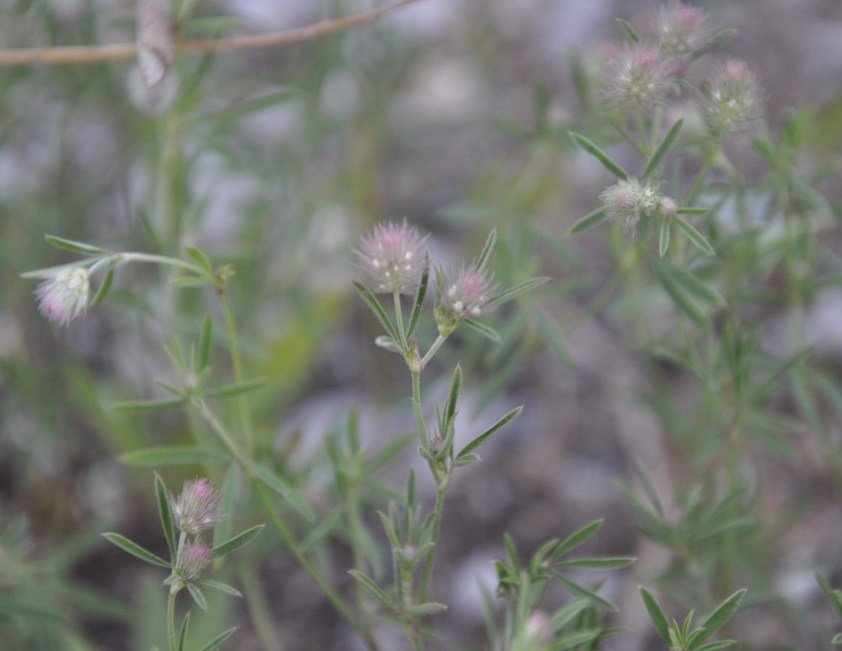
<point x="433" y="349"/>
<point x="441" y="491"/>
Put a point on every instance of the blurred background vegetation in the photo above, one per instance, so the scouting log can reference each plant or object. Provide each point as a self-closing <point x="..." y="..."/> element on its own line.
<point x="453" y="114"/>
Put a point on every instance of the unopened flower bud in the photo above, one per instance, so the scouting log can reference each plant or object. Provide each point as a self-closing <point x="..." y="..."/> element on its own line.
<point x="63" y="296"/>
<point x="731" y="97"/>
<point x="196" y="509"/>
<point x="194" y="561"/>
<point x="637" y="78"/>
<point x="667" y="207"/>
<point x="627" y="200"/>
<point x="393" y="258"/>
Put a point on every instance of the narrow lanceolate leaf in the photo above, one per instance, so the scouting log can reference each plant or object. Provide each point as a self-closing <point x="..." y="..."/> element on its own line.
<point x="517" y="290"/>
<point x="280" y="486"/>
<point x="589" y="220"/>
<point x="372" y="587"/>
<point x="150" y="405"/>
<point x="607" y="563"/>
<point x="834" y="596"/>
<point x="234" y="389"/>
<point x="663" y="149"/>
<point x="222" y="587"/>
<point x="206" y="342"/>
<point x="485" y="330"/>
<point x="165" y="513"/>
<point x="219" y="639"/>
<point x="134" y="549"/>
<point x="171" y="455"/>
<point x="664" y="237"/>
<point x="198" y="596"/>
<point x="198" y="256"/>
<point x="237" y="541"/>
<point x="486" y="249"/>
<point x="696" y="287"/>
<point x="628" y="30"/>
<point x="676" y="293"/>
<point x="712" y="646"/>
<point x="73" y="245"/>
<point x="656" y="614"/>
<point x="453" y="395"/>
<point x="576" y="538"/>
<point x="419" y="299"/>
<point x="473" y="445"/>
<point x="574" y="640"/>
<point x="719" y="617"/>
<point x="375" y="306"/>
<point x="104" y="287"/>
<point x="694" y="236"/>
<point x="692" y="210"/>
<point x="429" y="608"/>
<point x="600" y="155"/>
<point x="182" y="633"/>
<point x="567" y="614"/>
<point x="385" y="341"/>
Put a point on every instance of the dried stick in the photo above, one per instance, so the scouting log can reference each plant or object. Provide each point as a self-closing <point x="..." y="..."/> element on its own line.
<point x="97" y="53"/>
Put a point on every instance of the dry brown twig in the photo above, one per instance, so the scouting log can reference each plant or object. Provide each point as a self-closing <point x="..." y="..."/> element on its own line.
<point x="98" y="53"/>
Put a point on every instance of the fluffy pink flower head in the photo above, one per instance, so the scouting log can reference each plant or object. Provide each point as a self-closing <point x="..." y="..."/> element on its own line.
<point x="731" y="97"/>
<point x="465" y="294"/>
<point x="194" y="561"/>
<point x="393" y="258"/>
<point x="682" y="30"/>
<point x="637" y="78"/>
<point x="628" y="199"/>
<point x="63" y="295"/>
<point x="196" y="509"/>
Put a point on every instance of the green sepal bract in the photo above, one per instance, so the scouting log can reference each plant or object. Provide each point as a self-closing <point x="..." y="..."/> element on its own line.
<point x="165" y="513"/>
<point x="135" y="550"/>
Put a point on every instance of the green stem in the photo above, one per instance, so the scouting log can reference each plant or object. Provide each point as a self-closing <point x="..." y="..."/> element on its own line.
<point x="237" y="367"/>
<point x="423" y="436"/>
<point x="171" y="619"/>
<point x="433" y="350"/>
<point x="707" y="166"/>
<point x="441" y="490"/>
<point x="355" y="522"/>
<point x="279" y="523"/>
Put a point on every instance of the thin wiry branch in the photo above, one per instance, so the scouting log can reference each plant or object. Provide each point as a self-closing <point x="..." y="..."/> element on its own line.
<point x="98" y="53"/>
